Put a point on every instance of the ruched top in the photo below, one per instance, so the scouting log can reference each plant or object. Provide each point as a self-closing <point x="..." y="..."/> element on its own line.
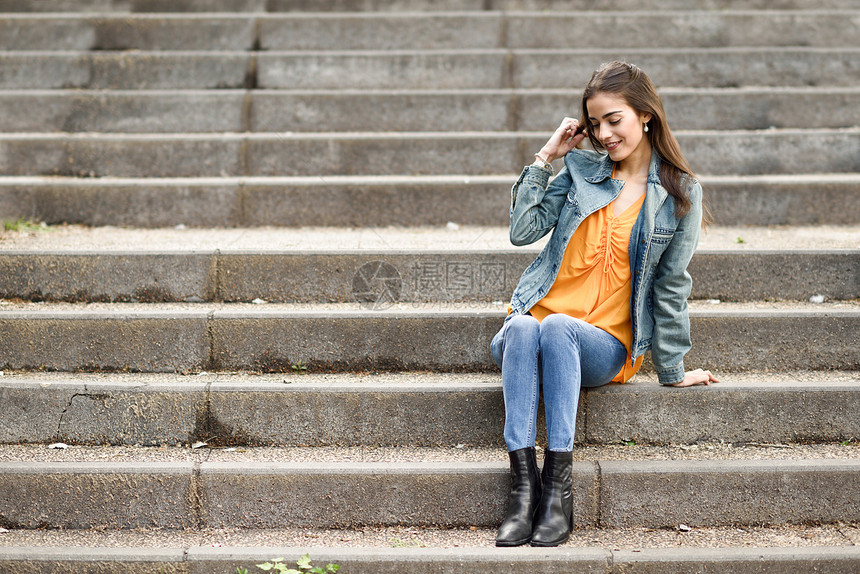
<point x="593" y="282"/>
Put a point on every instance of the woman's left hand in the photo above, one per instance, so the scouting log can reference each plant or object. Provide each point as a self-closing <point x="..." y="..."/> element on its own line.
<point x="697" y="377"/>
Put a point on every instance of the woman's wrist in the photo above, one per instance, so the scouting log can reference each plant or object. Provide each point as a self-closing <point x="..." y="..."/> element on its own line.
<point x="546" y="156"/>
<point x="542" y="162"/>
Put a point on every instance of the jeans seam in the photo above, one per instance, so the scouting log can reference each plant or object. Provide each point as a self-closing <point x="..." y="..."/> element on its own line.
<point x="532" y="435"/>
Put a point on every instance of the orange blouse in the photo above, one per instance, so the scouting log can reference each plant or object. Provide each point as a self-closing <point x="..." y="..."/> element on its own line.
<point x="593" y="283"/>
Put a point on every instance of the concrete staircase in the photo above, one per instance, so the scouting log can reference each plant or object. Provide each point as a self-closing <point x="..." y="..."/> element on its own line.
<point x="256" y="323"/>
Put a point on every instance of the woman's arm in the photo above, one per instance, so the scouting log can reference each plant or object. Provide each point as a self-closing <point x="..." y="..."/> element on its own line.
<point x="671" y="288"/>
<point x="535" y="201"/>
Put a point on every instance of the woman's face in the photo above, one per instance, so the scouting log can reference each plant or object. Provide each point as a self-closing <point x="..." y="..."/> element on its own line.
<point x="617" y="126"/>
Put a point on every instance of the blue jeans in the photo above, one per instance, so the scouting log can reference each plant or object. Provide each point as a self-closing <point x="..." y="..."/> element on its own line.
<point x="560" y="353"/>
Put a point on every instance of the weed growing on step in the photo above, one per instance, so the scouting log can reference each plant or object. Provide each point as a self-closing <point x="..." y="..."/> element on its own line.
<point x="22" y="224"/>
<point x="304" y="564"/>
<point x="299" y="368"/>
<point x="398" y="542"/>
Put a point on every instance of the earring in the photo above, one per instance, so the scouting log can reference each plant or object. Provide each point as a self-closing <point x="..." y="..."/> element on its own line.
<point x="646" y="128"/>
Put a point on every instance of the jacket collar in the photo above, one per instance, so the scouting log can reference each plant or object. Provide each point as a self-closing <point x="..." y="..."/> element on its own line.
<point x="654" y="168"/>
<point x="600" y="170"/>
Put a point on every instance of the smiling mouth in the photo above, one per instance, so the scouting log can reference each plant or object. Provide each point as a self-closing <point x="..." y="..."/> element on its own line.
<point x="612" y="146"/>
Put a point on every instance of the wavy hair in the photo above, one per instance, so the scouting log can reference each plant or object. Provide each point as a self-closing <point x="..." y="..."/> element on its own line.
<point x="634" y="85"/>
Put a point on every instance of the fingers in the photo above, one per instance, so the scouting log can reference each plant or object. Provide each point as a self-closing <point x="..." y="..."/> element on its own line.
<point x="706" y="376"/>
<point x="563" y="139"/>
<point x="566" y="123"/>
<point x="688" y="382"/>
<point x="697" y="377"/>
<point x="567" y="136"/>
<point x="569" y="128"/>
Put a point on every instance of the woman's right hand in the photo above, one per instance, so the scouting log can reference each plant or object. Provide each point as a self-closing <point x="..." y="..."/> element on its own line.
<point x="562" y="140"/>
<point x="697" y="377"/>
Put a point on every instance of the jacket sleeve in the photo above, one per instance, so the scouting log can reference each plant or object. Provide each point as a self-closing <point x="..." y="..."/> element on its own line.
<point x="536" y="203"/>
<point x="672" y="286"/>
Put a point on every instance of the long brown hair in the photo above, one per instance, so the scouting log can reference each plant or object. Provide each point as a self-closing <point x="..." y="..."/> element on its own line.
<point x="634" y="85"/>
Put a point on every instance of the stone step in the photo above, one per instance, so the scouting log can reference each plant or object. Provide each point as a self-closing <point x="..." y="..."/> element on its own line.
<point x="548" y="5"/>
<point x="470" y="69"/>
<point x="770" y="540"/>
<point x="54" y="32"/>
<point x="125" y="6"/>
<point x="421" y="264"/>
<point x="542" y="30"/>
<point x="441" y="336"/>
<point x="411" y="410"/>
<point x="135" y="6"/>
<point x="437" y="69"/>
<point x="379" y="201"/>
<point x="126" y="70"/>
<point x="135" y="111"/>
<point x="225" y="559"/>
<point x="436" y="153"/>
<point x="277" y="489"/>
<point x="217" y="558"/>
<point x="200" y="111"/>
<point x="434" y="31"/>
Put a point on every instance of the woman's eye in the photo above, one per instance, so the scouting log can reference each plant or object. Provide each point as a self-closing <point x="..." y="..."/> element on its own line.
<point x="614" y="122"/>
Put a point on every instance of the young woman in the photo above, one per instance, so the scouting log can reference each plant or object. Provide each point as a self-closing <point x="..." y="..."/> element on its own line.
<point x="610" y="284"/>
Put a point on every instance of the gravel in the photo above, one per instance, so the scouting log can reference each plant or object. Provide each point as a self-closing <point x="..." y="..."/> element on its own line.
<point x="385" y="379"/>
<point x="414" y="537"/>
<point x="399" y="308"/>
<point x="440" y="238"/>
<point x="406" y="455"/>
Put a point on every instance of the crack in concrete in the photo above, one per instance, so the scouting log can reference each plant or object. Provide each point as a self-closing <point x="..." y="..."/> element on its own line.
<point x="850" y="540"/>
<point x="210" y="363"/>
<point x="196" y="497"/>
<point x="197" y="494"/>
<point x="598" y="512"/>
<point x="207" y="408"/>
<point x="58" y="436"/>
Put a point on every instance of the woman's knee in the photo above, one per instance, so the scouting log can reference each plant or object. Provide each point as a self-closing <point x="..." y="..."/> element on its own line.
<point x="522" y="326"/>
<point x="518" y="331"/>
<point x="559" y="326"/>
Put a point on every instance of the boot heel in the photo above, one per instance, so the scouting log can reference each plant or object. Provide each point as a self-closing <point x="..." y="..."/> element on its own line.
<point x="553" y="521"/>
<point x="516" y="529"/>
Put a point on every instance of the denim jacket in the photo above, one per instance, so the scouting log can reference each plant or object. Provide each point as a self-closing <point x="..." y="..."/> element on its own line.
<point x="661" y="246"/>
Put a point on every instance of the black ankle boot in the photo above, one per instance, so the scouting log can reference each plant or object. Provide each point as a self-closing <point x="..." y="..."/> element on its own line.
<point x="522" y="502"/>
<point x="554" y="517"/>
